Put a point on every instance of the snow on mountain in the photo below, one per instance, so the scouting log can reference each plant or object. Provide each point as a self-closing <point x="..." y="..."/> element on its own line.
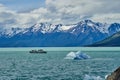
<point x="9" y="32"/>
<point x="88" y="25"/>
<point x="83" y="26"/>
<point x="44" y="34"/>
<point x="36" y="27"/>
<point x="44" y="27"/>
<point x="113" y="28"/>
<point x="66" y="27"/>
<point x="103" y="28"/>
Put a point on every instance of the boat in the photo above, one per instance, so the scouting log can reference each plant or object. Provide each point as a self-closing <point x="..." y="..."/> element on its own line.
<point x="37" y="51"/>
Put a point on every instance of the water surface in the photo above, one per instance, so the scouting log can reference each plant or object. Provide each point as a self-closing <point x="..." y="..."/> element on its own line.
<point x="19" y="64"/>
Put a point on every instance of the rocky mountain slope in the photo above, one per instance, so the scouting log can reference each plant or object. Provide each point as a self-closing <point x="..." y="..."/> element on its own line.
<point x="111" y="41"/>
<point x="43" y="34"/>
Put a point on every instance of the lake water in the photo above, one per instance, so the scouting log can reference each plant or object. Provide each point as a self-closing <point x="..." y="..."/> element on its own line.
<point x="19" y="64"/>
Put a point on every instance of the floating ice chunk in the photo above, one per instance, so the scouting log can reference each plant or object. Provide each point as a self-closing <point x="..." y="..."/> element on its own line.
<point x="77" y="55"/>
<point x="70" y="55"/>
<point x="88" y="77"/>
<point x="80" y="56"/>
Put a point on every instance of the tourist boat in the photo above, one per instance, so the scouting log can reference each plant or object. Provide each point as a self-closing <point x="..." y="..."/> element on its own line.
<point x="37" y="51"/>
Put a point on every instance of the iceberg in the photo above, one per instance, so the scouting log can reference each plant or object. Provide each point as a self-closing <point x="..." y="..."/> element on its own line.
<point x="77" y="56"/>
<point x="80" y="55"/>
<point x="70" y="55"/>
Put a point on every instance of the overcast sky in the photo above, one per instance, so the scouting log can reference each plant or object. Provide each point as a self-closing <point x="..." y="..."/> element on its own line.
<point x="20" y="13"/>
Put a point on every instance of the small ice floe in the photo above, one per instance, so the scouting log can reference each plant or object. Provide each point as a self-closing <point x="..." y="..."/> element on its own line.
<point x="77" y="56"/>
<point x="88" y="77"/>
<point x="70" y="55"/>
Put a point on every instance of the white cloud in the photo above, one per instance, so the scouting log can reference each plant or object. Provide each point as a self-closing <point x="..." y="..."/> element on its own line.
<point x="71" y="11"/>
<point x="64" y="11"/>
<point x="108" y="18"/>
<point x="5" y="14"/>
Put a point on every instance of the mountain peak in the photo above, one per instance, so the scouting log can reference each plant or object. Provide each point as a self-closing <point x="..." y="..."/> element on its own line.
<point x="82" y="26"/>
<point x="87" y="21"/>
<point x="42" y="34"/>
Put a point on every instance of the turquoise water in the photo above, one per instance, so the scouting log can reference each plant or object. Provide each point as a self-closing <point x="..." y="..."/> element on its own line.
<point x="19" y="64"/>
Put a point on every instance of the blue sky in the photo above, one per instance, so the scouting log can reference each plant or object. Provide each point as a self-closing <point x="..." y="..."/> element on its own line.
<point x="23" y="5"/>
<point x="22" y="13"/>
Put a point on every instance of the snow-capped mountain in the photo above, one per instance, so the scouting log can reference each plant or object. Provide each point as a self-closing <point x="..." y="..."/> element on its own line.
<point x="113" y="28"/>
<point x="44" y="34"/>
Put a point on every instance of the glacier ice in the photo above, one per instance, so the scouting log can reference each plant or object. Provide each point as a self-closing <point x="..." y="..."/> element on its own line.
<point x="70" y="55"/>
<point x="77" y="56"/>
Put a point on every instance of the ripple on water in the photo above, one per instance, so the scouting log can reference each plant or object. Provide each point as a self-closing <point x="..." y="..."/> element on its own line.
<point x="53" y="66"/>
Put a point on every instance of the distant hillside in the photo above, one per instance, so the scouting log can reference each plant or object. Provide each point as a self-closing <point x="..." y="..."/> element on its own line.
<point x="113" y="40"/>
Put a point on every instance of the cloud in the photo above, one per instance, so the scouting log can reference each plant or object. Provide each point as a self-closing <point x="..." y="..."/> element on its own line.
<point x="6" y="16"/>
<point x="107" y="18"/>
<point x="63" y="11"/>
<point x="5" y="13"/>
<point x="70" y="11"/>
<point x="83" y="7"/>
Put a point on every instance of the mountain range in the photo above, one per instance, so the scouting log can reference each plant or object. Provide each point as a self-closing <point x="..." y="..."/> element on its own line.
<point x="112" y="41"/>
<point x="82" y="33"/>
